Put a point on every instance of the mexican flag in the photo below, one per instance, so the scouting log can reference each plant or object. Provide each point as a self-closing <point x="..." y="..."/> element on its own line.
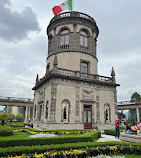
<point x="66" y="5"/>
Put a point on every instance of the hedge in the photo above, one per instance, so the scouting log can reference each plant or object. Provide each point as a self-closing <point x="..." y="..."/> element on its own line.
<point x="15" y="125"/>
<point x="19" y="150"/>
<point x="5" y="131"/>
<point x="88" y="137"/>
<point x="111" y="131"/>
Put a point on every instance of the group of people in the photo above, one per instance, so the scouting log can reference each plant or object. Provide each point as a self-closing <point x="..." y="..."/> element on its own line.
<point x="128" y="129"/>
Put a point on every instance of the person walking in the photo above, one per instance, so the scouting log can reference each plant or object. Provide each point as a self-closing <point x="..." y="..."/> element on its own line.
<point x="117" y="126"/>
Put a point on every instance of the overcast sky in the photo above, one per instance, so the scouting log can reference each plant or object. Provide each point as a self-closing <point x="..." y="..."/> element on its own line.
<point x="24" y="44"/>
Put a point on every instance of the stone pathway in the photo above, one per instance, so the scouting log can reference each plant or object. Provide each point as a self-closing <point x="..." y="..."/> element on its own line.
<point x="108" y="138"/>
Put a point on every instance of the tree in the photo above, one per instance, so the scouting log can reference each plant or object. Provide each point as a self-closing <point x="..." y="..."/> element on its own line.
<point x="19" y="117"/>
<point x="11" y="117"/>
<point x="135" y="97"/>
<point x="3" y="117"/>
<point x="132" y="117"/>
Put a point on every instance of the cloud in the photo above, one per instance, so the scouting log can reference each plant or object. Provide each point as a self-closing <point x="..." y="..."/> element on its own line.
<point x="15" y="26"/>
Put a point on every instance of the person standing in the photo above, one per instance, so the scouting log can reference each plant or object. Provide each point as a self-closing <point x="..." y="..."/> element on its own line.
<point x="117" y="127"/>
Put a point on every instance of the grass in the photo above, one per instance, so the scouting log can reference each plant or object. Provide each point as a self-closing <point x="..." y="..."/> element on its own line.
<point x="17" y="136"/>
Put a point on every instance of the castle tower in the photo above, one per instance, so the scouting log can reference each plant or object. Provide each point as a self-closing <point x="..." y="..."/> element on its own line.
<point x="72" y="95"/>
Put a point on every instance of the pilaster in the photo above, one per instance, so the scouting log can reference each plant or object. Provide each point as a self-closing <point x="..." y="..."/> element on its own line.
<point x="53" y="103"/>
<point x="138" y="115"/>
<point x="77" y="119"/>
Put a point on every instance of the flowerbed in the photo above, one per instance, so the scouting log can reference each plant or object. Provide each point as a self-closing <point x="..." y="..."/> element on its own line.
<point x="57" y="132"/>
<point x="89" y="151"/>
<point x="92" y="148"/>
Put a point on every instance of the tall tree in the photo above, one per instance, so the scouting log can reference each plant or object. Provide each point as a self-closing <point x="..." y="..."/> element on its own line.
<point x="135" y="97"/>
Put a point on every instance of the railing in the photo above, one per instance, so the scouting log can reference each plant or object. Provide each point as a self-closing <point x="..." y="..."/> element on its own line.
<point x="78" y="74"/>
<point x="72" y="14"/>
<point x="15" y="99"/>
<point x="63" y="47"/>
<point x="125" y="103"/>
<point x="83" y="47"/>
<point x="74" y="74"/>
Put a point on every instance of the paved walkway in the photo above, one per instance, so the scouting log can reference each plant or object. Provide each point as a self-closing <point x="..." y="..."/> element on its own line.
<point x="107" y="138"/>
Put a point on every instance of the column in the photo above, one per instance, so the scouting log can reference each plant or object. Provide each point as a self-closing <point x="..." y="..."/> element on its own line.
<point x="29" y="118"/>
<point x="37" y="114"/>
<point x="138" y="115"/>
<point x="122" y="111"/>
<point x="26" y="113"/>
<point x="44" y="118"/>
<point x="7" y="109"/>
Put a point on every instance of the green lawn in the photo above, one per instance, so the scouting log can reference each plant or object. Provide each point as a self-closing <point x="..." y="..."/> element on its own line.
<point x="18" y="136"/>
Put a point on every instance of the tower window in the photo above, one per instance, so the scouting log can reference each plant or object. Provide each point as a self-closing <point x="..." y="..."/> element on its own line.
<point x="83" y="39"/>
<point x="84" y="67"/>
<point x="64" y="37"/>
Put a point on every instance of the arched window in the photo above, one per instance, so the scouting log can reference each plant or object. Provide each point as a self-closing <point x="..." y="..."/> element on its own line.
<point x="65" y="111"/>
<point x="83" y="39"/>
<point x="64" y="37"/>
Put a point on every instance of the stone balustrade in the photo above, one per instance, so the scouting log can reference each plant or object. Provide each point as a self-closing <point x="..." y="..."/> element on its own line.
<point x="14" y="99"/>
<point x="77" y="75"/>
<point x="72" y="14"/>
<point x="82" y="75"/>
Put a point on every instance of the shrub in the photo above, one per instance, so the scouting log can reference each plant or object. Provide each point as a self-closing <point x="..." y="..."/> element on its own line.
<point x="111" y="131"/>
<point x="51" y="140"/>
<point x="3" y="117"/>
<point x="16" y="125"/>
<point x="19" y="117"/>
<point x="11" y="117"/>
<point x="5" y="131"/>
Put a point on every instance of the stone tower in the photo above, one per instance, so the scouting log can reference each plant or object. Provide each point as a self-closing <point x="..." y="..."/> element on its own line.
<point x="72" y="95"/>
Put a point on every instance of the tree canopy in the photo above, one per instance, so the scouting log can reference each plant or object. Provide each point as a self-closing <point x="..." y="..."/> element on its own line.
<point x="135" y="97"/>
